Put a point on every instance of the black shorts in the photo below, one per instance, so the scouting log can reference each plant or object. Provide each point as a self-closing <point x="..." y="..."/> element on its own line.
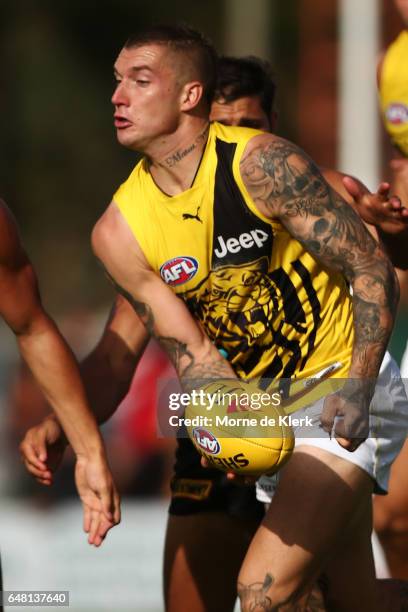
<point x="197" y="489"/>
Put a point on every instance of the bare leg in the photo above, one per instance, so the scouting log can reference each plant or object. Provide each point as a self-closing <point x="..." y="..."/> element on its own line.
<point x="391" y="517"/>
<point x="321" y="502"/>
<point x="203" y="555"/>
<point x="353" y="566"/>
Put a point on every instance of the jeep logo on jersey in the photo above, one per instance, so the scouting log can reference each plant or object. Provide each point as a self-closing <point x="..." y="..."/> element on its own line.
<point x="397" y="113"/>
<point x="178" y="270"/>
<point x="246" y="240"/>
<point x="206" y="441"/>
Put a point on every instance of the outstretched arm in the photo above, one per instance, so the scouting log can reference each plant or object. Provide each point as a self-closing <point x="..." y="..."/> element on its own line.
<point x="40" y="342"/>
<point x="285" y="184"/>
<point x="54" y="367"/>
<point x="384" y="212"/>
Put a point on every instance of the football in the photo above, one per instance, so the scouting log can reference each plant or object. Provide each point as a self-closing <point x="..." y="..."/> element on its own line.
<point x="239" y="428"/>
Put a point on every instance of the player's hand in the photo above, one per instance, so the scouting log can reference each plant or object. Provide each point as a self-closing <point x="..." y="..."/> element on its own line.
<point x="236" y="478"/>
<point x="100" y="499"/>
<point x="42" y="449"/>
<point x="346" y="415"/>
<point x="380" y="209"/>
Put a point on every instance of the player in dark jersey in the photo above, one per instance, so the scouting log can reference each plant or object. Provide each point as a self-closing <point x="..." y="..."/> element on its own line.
<point x="200" y="520"/>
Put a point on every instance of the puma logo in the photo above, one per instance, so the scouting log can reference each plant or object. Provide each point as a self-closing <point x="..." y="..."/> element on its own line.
<point x="196" y="217"/>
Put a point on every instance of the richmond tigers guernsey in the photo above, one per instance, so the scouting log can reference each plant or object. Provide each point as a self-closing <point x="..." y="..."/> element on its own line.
<point x="259" y="295"/>
<point x="394" y="91"/>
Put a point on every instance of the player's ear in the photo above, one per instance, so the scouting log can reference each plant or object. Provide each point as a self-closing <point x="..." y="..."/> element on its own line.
<point x="191" y="95"/>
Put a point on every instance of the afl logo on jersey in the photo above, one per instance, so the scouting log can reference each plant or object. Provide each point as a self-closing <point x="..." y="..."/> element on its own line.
<point x="397" y="113"/>
<point x="179" y="270"/>
<point x="206" y="441"/>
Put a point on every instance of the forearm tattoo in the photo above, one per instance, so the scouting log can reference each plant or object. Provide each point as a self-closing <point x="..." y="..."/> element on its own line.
<point x="191" y="372"/>
<point x="287" y="185"/>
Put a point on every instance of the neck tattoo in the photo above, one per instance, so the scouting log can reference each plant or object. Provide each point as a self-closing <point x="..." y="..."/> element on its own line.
<point x="176" y="157"/>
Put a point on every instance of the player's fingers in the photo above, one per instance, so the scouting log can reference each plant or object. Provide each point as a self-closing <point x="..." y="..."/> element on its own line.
<point x="116" y="510"/>
<point x="346" y="443"/>
<point x="241" y="479"/>
<point x="94" y="538"/>
<point x="32" y="454"/>
<point x="395" y="203"/>
<point x="350" y="433"/>
<point x="33" y="467"/>
<point x="104" y="527"/>
<point x="352" y="187"/>
<point x="87" y="518"/>
<point x="350" y="444"/>
<point x="106" y="497"/>
<point x="328" y="415"/>
<point x="384" y="189"/>
<point x="39" y="474"/>
<point x="93" y="531"/>
<point x="45" y="481"/>
<point x="110" y="505"/>
<point x="204" y="462"/>
<point x="40" y="446"/>
<point x="93" y="527"/>
<point x="38" y="471"/>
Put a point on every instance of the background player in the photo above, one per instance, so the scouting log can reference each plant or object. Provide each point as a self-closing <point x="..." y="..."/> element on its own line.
<point x="245" y="96"/>
<point x="391" y="512"/>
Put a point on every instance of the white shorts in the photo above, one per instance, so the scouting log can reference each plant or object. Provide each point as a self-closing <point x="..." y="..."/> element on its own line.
<point x="388" y="430"/>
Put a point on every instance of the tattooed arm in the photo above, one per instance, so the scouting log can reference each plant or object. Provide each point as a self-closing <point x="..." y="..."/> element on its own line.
<point x="285" y="184"/>
<point x="164" y="315"/>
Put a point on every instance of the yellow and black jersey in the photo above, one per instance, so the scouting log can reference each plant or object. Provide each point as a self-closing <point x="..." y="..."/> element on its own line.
<point x="259" y="295"/>
<point x="394" y="91"/>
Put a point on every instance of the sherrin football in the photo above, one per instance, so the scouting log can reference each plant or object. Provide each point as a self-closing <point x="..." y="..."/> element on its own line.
<point x="239" y="428"/>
